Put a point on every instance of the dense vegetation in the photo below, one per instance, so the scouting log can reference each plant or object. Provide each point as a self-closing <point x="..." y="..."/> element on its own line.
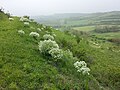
<point x="27" y="62"/>
<point x="106" y="29"/>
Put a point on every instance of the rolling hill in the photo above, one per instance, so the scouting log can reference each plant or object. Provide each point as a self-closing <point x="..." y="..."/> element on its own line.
<point x="80" y="19"/>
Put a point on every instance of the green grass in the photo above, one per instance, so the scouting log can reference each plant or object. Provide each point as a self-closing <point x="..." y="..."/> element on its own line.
<point x="106" y="67"/>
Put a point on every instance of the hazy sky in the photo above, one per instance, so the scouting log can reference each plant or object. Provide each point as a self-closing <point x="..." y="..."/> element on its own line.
<point x="46" y="7"/>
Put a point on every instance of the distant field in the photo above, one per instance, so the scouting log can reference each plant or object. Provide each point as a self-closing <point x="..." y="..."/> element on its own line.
<point x="78" y="22"/>
<point x="105" y="35"/>
<point x="109" y="35"/>
<point x="85" y="28"/>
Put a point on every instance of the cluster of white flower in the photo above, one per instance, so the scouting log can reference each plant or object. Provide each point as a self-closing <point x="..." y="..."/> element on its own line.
<point x="26" y="23"/>
<point x="11" y="19"/>
<point x="21" y="32"/>
<point x="24" y="19"/>
<point x="48" y="36"/>
<point x="46" y="45"/>
<point x="82" y="67"/>
<point x="56" y="53"/>
<point x="85" y="70"/>
<point x="34" y="34"/>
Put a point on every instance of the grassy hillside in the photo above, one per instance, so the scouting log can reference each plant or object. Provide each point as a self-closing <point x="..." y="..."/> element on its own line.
<point x="24" y="67"/>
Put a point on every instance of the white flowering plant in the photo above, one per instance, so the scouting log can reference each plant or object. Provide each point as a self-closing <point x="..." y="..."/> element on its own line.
<point x="47" y="37"/>
<point x="26" y="23"/>
<point x="34" y="35"/>
<point x="84" y="73"/>
<point x="84" y="70"/>
<point x="82" y="67"/>
<point x="56" y="53"/>
<point x="21" y="32"/>
<point x="46" y="45"/>
<point x="11" y="19"/>
<point x="23" y="19"/>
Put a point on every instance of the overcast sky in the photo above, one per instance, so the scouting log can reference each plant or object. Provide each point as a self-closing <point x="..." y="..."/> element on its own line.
<point x="46" y="7"/>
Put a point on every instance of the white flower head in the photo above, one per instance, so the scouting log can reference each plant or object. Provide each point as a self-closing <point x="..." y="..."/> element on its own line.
<point x="48" y="36"/>
<point x="46" y="45"/>
<point x="21" y="32"/>
<point x="34" y="34"/>
<point x="85" y="70"/>
<point x="82" y="67"/>
<point x="23" y="19"/>
<point x="56" y="53"/>
<point x="26" y="23"/>
<point x="11" y="19"/>
<point x="80" y="64"/>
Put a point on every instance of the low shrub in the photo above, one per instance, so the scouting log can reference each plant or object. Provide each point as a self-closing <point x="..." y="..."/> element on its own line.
<point x="34" y="34"/>
<point x="46" y="45"/>
<point x="56" y="53"/>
